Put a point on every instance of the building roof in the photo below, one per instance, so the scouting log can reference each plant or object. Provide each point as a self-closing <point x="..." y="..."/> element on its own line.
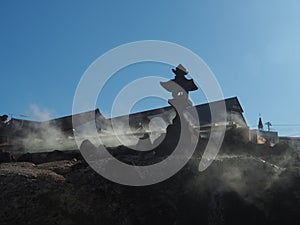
<point x="65" y="123"/>
<point x="232" y="105"/>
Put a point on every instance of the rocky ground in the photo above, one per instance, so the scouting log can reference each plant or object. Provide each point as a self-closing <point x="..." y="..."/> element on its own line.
<point x="246" y="184"/>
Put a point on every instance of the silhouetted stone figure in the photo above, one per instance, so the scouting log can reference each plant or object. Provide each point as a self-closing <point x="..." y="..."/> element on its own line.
<point x="167" y="143"/>
<point x="180" y="87"/>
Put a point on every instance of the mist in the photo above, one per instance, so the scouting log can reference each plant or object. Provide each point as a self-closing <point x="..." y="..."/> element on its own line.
<point x="44" y="136"/>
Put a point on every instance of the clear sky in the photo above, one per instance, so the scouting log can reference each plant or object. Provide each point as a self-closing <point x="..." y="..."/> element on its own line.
<point x="253" y="48"/>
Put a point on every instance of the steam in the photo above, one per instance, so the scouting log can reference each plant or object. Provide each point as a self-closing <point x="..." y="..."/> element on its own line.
<point x="45" y="136"/>
<point x="247" y="175"/>
<point x="237" y="118"/>
<point x="118" y="132"/>
<point x="40" y="114"/>
<point x="238" y="177"/>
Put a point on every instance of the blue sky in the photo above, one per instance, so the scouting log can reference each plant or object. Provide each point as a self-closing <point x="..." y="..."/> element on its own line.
<point x="253" y="48"/>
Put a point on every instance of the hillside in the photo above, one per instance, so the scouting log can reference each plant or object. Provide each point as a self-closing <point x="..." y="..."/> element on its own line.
<point x="246" y="184"/>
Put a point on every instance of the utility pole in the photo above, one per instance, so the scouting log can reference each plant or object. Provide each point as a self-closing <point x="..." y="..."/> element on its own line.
<point x="269" y="125"/>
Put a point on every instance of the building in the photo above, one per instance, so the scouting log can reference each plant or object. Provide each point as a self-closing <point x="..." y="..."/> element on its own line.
<point x="20" y="135"/>
<point x="260" y="136"/>
<point x="25" y="131"/>
<point x="235" y="118"/>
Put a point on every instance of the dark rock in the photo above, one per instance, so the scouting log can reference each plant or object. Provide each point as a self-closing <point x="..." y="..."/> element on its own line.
<point x="5" y="157"/>
<point x="43" y="157"/>
<point x="246" y="184"/>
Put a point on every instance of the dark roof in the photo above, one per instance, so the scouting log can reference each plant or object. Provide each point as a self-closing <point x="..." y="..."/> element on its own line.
<point x="27" y="123"/>
<point x="65" y="123"/>
<point x="231" y="104"/>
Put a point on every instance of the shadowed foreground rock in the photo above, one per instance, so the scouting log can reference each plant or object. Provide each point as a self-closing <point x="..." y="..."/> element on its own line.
<point x="245" y="187"/>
